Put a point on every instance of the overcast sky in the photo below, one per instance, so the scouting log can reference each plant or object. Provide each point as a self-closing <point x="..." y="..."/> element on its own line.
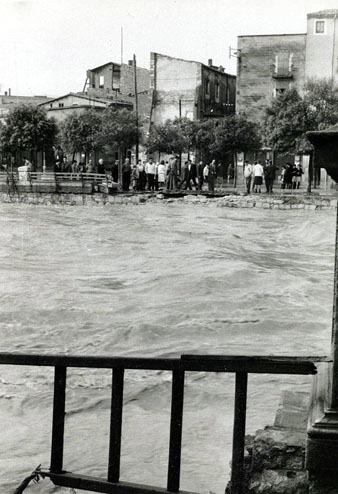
<point x="46" y="46"/>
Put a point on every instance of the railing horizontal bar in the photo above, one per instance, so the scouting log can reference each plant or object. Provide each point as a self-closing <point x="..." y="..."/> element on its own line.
<point x="263" y="358"/>
<point x="115" y="426"/>
<point x="222" y="364"/>
<point x="77" y="481"/>
<point x="176" y="424"/>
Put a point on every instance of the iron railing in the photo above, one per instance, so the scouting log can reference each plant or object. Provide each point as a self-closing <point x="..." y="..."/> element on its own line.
<point x="240" y="365"/>
<point x="27" y="176"/>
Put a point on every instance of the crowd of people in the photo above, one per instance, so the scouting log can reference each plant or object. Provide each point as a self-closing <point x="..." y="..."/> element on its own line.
<point x="151" y="176"/>
<point x="256" y="173"/>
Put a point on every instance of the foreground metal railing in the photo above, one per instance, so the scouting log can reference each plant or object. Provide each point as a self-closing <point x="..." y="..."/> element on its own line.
<point x="53" y="177"/>
<point x="240" y="365"/>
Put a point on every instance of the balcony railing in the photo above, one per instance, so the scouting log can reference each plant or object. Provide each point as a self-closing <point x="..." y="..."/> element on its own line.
<point x="240" y="365"/>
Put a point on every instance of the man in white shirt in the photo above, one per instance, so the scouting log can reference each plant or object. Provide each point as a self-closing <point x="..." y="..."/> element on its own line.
<point x="150" y="171"/>
<point x="258" y="172"/>
<point x="248" y="169"/>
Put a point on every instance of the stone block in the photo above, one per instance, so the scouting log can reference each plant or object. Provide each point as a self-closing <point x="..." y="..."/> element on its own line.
<point x="275" y="448"/>
<point x="279" y="482"/>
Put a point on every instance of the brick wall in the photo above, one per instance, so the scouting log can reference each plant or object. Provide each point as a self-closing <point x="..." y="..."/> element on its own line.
<point x="175" y="83"/>
<point x="256" y="66"/>
<point x="210" y="104"/>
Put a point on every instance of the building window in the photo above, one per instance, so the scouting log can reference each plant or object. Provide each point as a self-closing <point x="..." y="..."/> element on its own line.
<point x="320" y="27"/>
<point x="101" y="83"/>
<point x="283" y="65"/>
<point x="50" y="105"/>
<point x="217" y="91"/>
<point x="207" y="87"/>
<point x="61" y="105"/>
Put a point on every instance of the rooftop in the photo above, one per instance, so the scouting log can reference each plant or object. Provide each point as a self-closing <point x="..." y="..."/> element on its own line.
<point x="323" y="13"/>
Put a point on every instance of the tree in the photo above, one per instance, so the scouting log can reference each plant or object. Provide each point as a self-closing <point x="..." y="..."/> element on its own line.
<point x="234" y="133"/>
<point x="287" y="120"/>
<point x="27" y="128"/>
<point x="119" y="130"/>
<point x="79" y="133"/>
<point x="321" y="96"/>
<point x="204" y="137"/>
<point x="291" y="115"/>
<point x="163" y="138"/>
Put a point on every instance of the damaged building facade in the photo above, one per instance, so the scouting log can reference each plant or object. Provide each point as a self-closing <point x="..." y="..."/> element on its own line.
<point x="184" y="88"/>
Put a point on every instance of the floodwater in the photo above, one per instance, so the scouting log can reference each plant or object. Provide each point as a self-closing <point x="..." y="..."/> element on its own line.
<point x="154" y="280"/>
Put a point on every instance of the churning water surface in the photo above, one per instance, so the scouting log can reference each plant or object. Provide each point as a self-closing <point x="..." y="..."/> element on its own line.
<point x="154" y="280"/>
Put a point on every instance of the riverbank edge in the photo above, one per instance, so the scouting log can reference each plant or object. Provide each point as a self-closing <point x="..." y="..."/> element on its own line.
<point x="275" y="201"/>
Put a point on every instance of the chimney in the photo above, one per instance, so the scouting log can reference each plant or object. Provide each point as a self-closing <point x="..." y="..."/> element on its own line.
<point x="9" y="91"/>
<point x="131" y="63"/>
<point x="210" y="62"/>
<point x="5" y="93"/>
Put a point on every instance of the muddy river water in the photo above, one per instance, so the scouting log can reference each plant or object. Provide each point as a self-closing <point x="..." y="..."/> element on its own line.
<point x="153" y="280"/>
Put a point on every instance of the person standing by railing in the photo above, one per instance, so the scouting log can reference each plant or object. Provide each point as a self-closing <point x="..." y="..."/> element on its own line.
<point x="150" y="171"/>
<point x="135" y="177"/>
<point x="57" y="167"/>
<point x="248" y="169"/>
<point x="66" y="166"/>
<point x="126" y="172"/>
<point x="115" y="171"/>
<point x="200" y="169"/>
<point x="212" y="176"/>
<point x="100" y="167"/>
<point x="161" y="174"/>
<point x="258" y="173"/>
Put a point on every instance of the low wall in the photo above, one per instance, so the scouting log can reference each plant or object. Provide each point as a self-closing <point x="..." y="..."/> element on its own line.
<point x="313" y="202"/>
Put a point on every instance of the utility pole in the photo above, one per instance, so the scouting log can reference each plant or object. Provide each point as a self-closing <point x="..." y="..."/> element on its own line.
<point x="180" y="115"/>
<point x="136" y="109"/>
<point x="121" y="45"/>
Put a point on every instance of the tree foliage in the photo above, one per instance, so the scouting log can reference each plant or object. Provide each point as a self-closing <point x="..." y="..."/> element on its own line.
<point x="164" y="138"/>
<point x="291" y="115"/>
<point x="27" y="128"/>
<point x="234" y="133"/>
<point x="79" y="133"/>
<point x="321" y="96"/>
<point x="213" y="137"/>
<point x="119" y="129"/>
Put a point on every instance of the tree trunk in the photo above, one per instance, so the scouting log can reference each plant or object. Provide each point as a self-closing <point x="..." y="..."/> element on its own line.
<point x="310" y="173"/>
<point x="235" y="170"/>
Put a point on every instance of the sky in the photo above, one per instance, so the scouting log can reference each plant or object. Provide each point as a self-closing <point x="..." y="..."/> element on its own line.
<point x="46" y="46"/>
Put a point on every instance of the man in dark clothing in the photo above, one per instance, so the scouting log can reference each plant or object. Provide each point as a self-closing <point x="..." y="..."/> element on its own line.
<point x="100" y="167"/>
<point x="57" y="167"/>
<point x="126" y="172"/>
<point x="288" y="176"/>
<point x="185" y="176"/>
<point x="200" y="174"/>
<point x="115" y="171"/>
<point x="192" y="174"/>
<point x="269" y="175"/>
<point x="66" y="166"/>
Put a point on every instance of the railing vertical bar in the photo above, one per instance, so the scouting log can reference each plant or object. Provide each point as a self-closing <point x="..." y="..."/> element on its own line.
<point x="59" y="402"/>
<point x="115" y="425"/>
<point x="238" y="442"/>
<point x="177" y="397"/>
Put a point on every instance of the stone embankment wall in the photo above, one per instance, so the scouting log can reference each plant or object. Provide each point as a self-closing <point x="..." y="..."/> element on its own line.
<point x="313" y="202"/>
<point x="275" y="455"/>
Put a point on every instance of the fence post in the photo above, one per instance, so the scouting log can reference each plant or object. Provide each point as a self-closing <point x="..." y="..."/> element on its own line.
<point x="59" y="402"/>
<point x="177" y="397"/>
<point x="238" y="441"/>
<point x="115" y="426"/>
